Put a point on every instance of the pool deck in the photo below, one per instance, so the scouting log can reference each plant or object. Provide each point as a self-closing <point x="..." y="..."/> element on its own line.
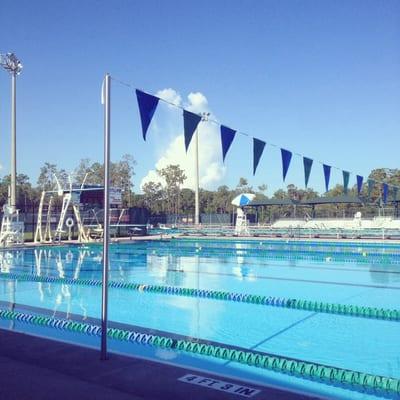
<point x="33" y="368"/>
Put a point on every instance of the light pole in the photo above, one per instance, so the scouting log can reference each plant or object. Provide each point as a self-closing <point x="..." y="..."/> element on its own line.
<point x="11" y="64"/>
<point x="204" y="117"/>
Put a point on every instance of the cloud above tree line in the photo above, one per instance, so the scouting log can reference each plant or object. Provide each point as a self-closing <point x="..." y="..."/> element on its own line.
<point x="211" y="170"/>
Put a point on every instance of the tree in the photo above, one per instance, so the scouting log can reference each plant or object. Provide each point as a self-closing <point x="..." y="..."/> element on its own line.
<point x="222" y="199"/>
<point x="187" y="201"/>
<point x="26" y="194"/>
<point x="243" y="186"/>
<point x="153" y="196"/>
<point x="121" y="174"/>
<point x="174" y="177"/>
<point x="262" y="188"/>
<point x="46" y="180"/>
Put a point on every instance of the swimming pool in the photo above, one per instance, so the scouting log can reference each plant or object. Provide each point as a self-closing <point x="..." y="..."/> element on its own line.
<point x="315" y="317"/>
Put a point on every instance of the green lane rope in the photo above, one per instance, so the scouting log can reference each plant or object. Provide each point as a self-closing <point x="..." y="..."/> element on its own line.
<point x="364" y="257"/>
<point x="296" y="304"/>
<point x="309" y="370"/>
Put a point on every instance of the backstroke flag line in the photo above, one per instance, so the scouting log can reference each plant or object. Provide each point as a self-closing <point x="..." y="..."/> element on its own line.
<point x="307" y="162"/>
<point x="327" y="175"/>
<point x="258" y="148"/>
<point x="190" y="123"/>
<point x="286" y="158"/>
<point x="147" y="106"/>
<point x="227" y="136"/>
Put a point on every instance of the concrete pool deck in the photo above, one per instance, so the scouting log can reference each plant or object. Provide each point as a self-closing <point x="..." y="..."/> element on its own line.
<point x="33" y="368"/>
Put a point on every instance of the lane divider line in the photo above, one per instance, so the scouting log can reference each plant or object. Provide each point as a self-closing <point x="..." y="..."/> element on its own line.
<point x="291" y="303"/>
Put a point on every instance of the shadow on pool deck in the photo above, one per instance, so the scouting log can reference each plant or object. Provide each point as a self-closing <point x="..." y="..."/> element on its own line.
<point x="36" y="368"/>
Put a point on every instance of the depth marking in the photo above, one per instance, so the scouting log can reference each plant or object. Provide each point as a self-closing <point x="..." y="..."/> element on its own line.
<point x="217" y="384"/>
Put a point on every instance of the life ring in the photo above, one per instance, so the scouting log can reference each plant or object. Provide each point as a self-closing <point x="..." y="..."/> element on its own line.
<point x="69" y="222"/>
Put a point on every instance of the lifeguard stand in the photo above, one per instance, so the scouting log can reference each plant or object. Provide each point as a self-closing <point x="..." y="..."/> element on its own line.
<point x="46" y="235"/>
<point x="70" y="198"/>
<point x="12" y="229"/>
<point x="242" y="226"/>
<point x="75" y="197"/>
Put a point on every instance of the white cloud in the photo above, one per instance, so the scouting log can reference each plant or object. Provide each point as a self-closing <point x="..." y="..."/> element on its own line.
<point x="170" y="95"/>
<point x="211" y="170"/>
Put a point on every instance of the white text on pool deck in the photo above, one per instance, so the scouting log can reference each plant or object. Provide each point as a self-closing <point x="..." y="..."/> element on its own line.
<point x="219" y="385"/>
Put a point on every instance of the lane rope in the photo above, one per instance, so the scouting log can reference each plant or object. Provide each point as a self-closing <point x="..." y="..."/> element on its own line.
<point x="291" y="303"/>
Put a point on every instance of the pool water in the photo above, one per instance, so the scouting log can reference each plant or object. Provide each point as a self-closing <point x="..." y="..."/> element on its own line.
<point x="63" y="281"/>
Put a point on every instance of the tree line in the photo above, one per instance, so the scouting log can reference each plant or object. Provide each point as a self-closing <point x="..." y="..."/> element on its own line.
<point x="169" y="196"/>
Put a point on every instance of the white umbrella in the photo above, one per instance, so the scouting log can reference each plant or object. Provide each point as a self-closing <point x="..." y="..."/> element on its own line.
<point x="243" y="199"/>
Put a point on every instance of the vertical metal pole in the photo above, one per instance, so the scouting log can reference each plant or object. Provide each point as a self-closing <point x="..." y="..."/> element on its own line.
<point x="106" y="223"/>
<point x="196" y="189"/>
<point x="13" y="140"/>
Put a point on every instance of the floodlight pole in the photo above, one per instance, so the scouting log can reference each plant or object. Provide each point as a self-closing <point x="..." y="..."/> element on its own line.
<point x="13" y="65"/>
<point x="204" y="117"/>
<point x="106" y="223"/>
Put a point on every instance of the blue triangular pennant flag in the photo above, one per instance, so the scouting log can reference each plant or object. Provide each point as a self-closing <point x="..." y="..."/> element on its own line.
<point x="327" y="175"/>
<point x="346" y="176"/>
<point x="359" y="184"/>
<point x="307" y="162"/>
<point x="227" y="136"/>
<point x="286" y="158"/>
<point x="258" y="148"/>
<point x="384" y="192"/>
<point x="370" y="187"/>
<point x="190" y="123"/>
<point x="147" y="106"/>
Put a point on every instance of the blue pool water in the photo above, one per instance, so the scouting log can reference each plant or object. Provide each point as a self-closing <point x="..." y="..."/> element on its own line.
<point x="347" y="273"/>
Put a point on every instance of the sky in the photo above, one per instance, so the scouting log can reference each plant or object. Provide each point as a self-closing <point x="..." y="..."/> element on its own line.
<point x="320" y="78"/>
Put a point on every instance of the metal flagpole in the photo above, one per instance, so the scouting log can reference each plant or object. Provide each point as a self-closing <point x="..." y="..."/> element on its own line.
<point x="106" y="223"/>
<point x="13" y="140"/>
<point x="196" y="188"/>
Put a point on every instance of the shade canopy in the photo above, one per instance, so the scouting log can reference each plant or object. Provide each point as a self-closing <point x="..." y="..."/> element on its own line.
<point x="309" y="202"/>
<point x="273" y="202"/>
<point x="243" y="199"/>
<point x="333" y="200"/>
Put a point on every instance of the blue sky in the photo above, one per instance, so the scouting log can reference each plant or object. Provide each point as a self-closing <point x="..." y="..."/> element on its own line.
<point x="316" y="77"/>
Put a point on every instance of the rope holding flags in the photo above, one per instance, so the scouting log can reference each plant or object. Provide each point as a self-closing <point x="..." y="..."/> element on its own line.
<point x="148" y="104"/>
